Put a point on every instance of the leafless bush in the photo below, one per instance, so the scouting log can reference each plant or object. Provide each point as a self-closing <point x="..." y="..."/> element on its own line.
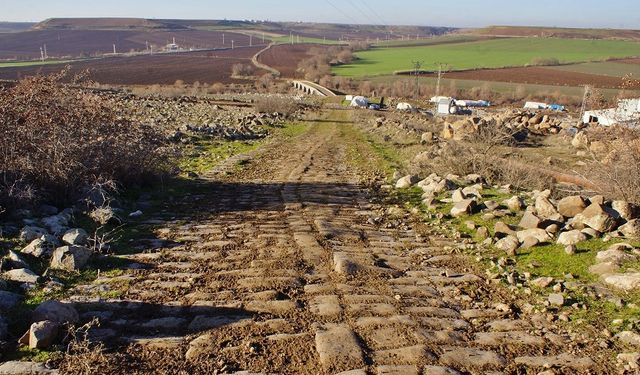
<point x="271" y="104"/>
<point x="545" y="61"/>
<point x="616" y="171"/>
<point x="242" y="70"/>
<point x="490" y="153"/>
<point x="55" y="140"/>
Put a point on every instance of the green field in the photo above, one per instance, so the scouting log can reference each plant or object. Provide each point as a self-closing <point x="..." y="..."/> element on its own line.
<point x="608" y="68"/>
<point x="486" y="54"/>
<point x="32" y="63"/>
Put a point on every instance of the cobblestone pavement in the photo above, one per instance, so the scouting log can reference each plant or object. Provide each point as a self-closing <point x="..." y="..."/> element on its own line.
<point x="280" y="269"/>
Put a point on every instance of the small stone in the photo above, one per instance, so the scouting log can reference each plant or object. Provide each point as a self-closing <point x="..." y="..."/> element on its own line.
<point x="407" y="181"/>
<point x="570" y="249"/>
<point x="630" y="359"/>
<point x="30" y="233"/>
<point x="529" y="242"/>
<point x="542" y="282"/>
<point x="545" y="208"/>
<point x="556" y="299"/>
<point x="629" y="338"/>
<point x="77" y="236"/>
<point x="514" y="204"/>
<point x="530" y="221"/>
<point x="465" y="207"/>
<point x="571" y="206"/>
<point x="501" y="229"/>
<point x="626" y="281"/>
<point x="631" y="229"/>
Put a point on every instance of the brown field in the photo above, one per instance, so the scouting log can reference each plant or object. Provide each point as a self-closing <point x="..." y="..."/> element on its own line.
<point x="76" y="43"/>
<point x="629" y="61"/>
<point x="285" y="57"/>
<point x="204" y="67"/>
<point x="98" y="24"/>
<point x="558" y="32"/>
<point x="540" y="76"/>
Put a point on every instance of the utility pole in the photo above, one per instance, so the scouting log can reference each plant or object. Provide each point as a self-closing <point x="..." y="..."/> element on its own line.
<point x="262" y="37"/>
<point x="223" y="39"/>
<point x="439" y="79"/>
<point x="250" y="40"/>
<point x="232" y="44"/>
<point x="291" y="36"/>
<point x="114" y="48"/>
<point x="46" y="55"/>
<point x="416" y="71"/>
<point x="41" y="54"/>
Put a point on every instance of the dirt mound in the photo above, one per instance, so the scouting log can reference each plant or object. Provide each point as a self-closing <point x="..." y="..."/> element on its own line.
<point x="286" y="57"/>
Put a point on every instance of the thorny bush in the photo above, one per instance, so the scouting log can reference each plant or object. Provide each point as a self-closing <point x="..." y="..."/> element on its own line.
<point x="56" y="139"/>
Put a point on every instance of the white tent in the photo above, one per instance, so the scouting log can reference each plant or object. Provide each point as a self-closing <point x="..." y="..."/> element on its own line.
<point x="404" y="107"/>
<point x="360" y="101"/>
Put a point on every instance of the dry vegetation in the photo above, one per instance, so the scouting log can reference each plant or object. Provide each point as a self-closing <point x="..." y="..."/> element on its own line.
<point x="57" y="140"/>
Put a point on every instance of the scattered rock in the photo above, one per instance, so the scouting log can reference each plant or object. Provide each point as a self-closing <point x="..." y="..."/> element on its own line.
<point x="9" y="300"/>
<point x="606" y="268"/>
<point x="570" y="249"/>
<point x="70" y="258"/>
<point x="529" y="242"/>
<point x="509" y="245"/>
<point x="20" y="367"/>
<point x="16" y="261"/>
<point x="77" y="236"/>
<point x="43" y="334"/>
<point x="501" y="229"/>
<point x="573" y="237"/>
<point x="595" y="216"/>
<point x="571" y="206"/>
<point x="56" y="312"/>
<point x="540" y="234"/>
<point x="631" y="229"/>
<point x="556" y="299"/>
<point x="41" y="247"/>
<point x="458" y="196"/>
<point x="465" y="207"/>
<point x="625" y="210"/>
<point x="542" y="282"/>
<point x="30" y="233"/>
<point x="614" y="255"/>
<point x="545" y="208"/>
<point x="624" y="281"/>
<point x="22" y="275"/>
<point x="530" y="221"/>
<point x="629" y="338"/>
<point x="514" y="204"/>
<point x="630" y="359"/>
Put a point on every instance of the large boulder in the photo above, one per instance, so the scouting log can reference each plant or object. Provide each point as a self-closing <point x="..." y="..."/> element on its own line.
<point x="407" y="181"/>
<point x="631" y="229"/>
<point x="544" y="208"/>
<point x="22" y="275"/>
<point x="508" y="244"/>
<point x="41" y="247"/>
<point x="624" y="281"/>
<point x="57" y="224"/>
<point x="70" y="258"/>
<point x="615" y="255"/>
<point x="597" y="217"/>
<point x="571" y="238"/>
<point x="580" y="141"/>
<point x="76" y="236"/>
<point x="30" y="233"/>
<point x="540" y="234"/>
<point x="571" y="206"/>
<point x="465" y="207"/>
<point x="16" y="261"/>
<point x="56" y="312"/>
<point x="501" y="230"/>
<point x="9" y="300"/>
<point x="514" y="204"/>
<point x="458" y="196"/>
<point x="43" y="334"/>
<point x="625" y="210"/>
<point x="530" y="221"/>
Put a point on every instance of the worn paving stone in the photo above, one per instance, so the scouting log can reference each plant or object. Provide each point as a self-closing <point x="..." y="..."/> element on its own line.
<point x="472" y="358"/>
<point x="338" y="348"/>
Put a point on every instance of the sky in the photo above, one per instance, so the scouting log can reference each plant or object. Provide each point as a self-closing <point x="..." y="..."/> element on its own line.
<point x="457" y="13"/>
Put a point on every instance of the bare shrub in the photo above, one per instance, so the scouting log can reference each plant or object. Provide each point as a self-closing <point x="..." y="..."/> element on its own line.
<point x="616" y="171"/>
<point x="242" y="70"/>
<point x="271" y="104"/>
<point x="489" y="152"/>
<point x="55" y="140"/>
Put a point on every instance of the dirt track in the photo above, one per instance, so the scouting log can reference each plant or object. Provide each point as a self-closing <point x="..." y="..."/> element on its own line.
<point x="285" y="268"/>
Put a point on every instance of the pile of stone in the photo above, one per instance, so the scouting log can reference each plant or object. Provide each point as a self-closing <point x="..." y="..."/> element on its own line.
<point x="568" y="221"/>
<point x="49" y="321"/>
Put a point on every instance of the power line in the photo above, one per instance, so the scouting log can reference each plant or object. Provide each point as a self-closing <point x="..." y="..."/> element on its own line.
<point x="358" y="9"/>
<point x="341" y="11"/>
<point x="374" y="12"/>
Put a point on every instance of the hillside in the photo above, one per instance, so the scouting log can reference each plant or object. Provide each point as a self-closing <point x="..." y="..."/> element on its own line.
<point x="103" y="24"/>
<point x="13" y="27"/>
<point x="555" y="32"/>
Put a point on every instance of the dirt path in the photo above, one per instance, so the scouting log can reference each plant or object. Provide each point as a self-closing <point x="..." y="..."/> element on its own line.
<point x="283" y="268"/>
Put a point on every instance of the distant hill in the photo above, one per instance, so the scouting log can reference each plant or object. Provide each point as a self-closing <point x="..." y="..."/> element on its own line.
<point x="556" y="32"/>
<point x="105" y="24"/>
<point x="15" y="27"/>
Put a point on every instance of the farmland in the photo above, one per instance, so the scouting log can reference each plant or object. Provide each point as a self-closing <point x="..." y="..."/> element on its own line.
<point x="211" y="66"/>
<point x="486" y="54"/>
<point x="607" y="68"/>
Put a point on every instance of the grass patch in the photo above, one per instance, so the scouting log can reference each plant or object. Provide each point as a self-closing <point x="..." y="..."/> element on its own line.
<point x="18" y="64"/>
<point x="494" y="53"/>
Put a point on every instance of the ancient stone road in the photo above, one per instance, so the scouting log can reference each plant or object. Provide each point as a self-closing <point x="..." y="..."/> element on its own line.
<point x="281" y="270"/>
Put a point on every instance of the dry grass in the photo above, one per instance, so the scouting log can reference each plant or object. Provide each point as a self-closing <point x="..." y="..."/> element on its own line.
<point x="56" y="140"/>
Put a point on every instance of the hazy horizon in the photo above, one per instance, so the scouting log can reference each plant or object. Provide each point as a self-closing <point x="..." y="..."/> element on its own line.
<point x="461" y="14"/>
